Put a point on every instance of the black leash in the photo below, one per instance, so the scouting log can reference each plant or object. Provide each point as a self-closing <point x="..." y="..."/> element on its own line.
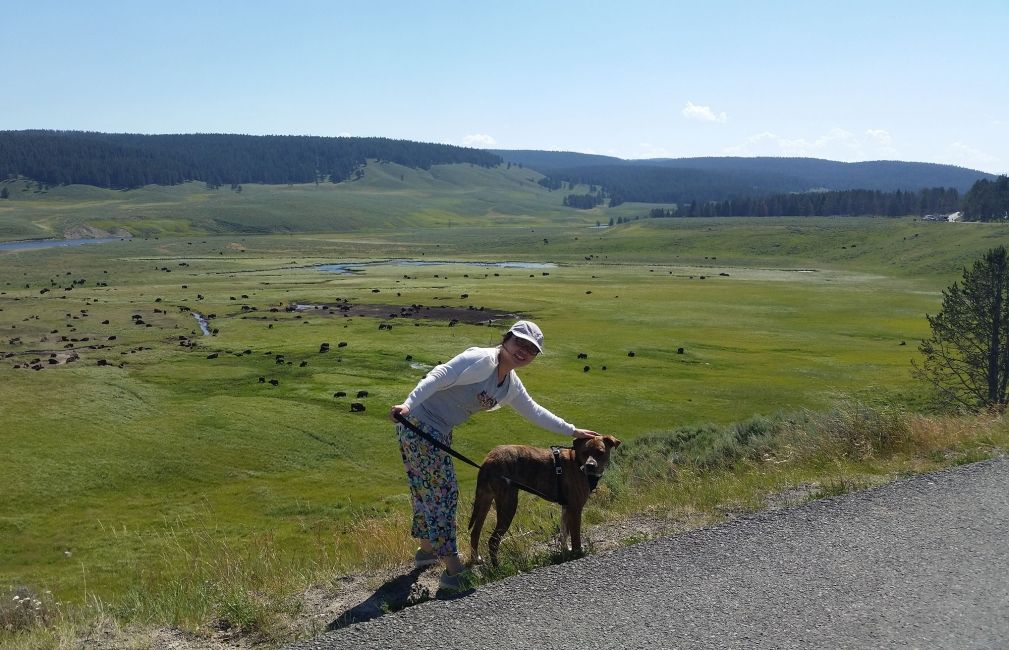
<point x="440" y="445"/>
<point x="558" y="471"/>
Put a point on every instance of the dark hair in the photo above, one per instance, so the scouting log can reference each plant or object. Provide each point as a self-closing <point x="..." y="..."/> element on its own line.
<point x="507" y="336"/>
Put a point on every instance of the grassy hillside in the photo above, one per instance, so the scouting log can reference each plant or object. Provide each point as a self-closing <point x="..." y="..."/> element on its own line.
<point x="389" y="196"/>
<point x="773" y="174"/>
<point x="898" y="247"/>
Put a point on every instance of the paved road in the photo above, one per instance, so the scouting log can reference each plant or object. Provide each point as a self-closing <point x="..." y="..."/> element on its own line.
<point x="921" y="563"/>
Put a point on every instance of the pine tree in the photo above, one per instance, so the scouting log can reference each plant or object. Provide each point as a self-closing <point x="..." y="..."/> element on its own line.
<point x="967" y="356"/>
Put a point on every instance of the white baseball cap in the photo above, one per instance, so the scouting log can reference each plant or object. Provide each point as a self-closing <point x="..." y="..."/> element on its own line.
<point x="530" y="331"/>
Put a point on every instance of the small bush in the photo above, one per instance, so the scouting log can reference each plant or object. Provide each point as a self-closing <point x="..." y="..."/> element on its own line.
<point x="22" y="610"/>
<point x="838" y="486"/>
<point x="853" y="431"/>
<point x="658" y="455"/>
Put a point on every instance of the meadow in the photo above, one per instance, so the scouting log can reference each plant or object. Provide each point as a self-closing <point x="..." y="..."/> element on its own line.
<point x="120" y="465"/>
<point x="388" y="196"/>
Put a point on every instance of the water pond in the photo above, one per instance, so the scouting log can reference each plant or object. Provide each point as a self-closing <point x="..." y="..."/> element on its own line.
<point x="358" y="266"/>
<point x="33" y="244"/>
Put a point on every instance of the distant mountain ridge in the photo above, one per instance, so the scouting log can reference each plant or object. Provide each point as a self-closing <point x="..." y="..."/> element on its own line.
<point x="127" y="161"/>
<point x="677" y="180"/>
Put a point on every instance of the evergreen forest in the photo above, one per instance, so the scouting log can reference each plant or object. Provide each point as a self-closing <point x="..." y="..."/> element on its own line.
<point x="128" y="161"/>
<point x="987" y="200"/>
<point x="932" y="201"/>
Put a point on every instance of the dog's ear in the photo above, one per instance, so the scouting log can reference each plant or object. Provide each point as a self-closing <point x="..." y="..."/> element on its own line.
<point x="611" y="442"/>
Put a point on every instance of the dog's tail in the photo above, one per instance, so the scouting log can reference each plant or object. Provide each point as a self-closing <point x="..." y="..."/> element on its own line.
<point x="482" y="502"/>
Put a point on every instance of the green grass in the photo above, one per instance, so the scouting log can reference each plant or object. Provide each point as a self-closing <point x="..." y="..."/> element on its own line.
<point x="130" y="483"/>
<point x="388" y="196"/>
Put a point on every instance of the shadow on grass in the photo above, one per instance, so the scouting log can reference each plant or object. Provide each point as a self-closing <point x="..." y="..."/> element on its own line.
<point x="394" y="595"/>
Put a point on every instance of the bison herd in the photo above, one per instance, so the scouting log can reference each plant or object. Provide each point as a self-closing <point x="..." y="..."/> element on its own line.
<point x="452" y="315"/>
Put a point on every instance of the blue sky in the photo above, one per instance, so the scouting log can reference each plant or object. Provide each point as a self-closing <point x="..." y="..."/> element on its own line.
<point x="924" y="81"/>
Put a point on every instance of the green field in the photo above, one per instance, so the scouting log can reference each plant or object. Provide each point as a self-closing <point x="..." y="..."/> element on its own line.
<point x="108" y="466"/>
<point x="388" y="196"/>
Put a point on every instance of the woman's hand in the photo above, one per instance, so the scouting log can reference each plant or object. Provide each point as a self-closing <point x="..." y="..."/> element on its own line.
<point x="584" y="433"/>
<point x="399" y="409"/>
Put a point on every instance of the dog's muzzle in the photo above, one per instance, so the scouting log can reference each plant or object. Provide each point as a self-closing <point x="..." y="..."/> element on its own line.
<point x="592" y="473"/>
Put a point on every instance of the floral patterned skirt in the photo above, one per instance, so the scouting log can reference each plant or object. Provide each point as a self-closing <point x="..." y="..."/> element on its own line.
<point x="433" y="487"/>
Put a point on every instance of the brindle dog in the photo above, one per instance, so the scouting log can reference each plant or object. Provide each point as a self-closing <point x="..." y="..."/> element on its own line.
<point x="534" y="468"/>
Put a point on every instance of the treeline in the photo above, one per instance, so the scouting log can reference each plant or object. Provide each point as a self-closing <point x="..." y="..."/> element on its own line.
<point x="987" y="200"/>
<point x="936" y="200"/>
<point x="124" y="161"/>
<point x="584" y="201"/>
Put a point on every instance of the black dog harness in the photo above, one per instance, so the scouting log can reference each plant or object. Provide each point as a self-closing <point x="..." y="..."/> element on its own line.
<point x="593" y="479"/>
<point x="559" y="474"/>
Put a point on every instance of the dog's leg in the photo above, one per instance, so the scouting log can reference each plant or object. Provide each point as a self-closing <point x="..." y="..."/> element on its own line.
<point x="481" y="506"/>
<point x="564" y="529"/>
<point x="572" y="518"/>
<point x="506" y="501"/>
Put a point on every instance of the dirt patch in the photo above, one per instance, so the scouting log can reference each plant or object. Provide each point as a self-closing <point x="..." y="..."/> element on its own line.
<point x="792" y="497"/>
<point x="91" y="232"/>
<point x="470" y="314"/>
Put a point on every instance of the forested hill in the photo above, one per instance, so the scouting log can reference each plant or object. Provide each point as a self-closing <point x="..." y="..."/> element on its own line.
<point x="123" y="161"/>
<point x="682" y="180"/>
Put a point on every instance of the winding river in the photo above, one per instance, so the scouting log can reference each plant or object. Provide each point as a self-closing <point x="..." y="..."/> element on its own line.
<point x="33" y="244"/>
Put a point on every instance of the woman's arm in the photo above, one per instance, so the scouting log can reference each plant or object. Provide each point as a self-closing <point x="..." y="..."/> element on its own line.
<point x="528" y="408"/>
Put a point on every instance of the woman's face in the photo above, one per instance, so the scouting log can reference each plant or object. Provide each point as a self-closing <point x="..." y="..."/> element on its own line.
<point x="520" y="351"/>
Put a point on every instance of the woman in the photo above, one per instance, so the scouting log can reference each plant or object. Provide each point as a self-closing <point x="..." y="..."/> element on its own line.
<point x="479" y="379"/>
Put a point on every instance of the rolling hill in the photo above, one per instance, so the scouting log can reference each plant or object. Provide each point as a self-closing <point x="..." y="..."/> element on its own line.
<point x="676" y="180"/>
<point x="71" y="183"/>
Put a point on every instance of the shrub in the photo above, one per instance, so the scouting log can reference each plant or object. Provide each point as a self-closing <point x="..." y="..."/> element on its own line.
<point x="22" y="610"/>
<point x="853" y="431"/>
<point x="850" y="431"/>
<point x="660" y="456"/>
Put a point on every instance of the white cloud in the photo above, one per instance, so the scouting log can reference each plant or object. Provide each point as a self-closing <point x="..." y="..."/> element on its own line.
<point x="750" y="146"/>
<point x="479" y="140"/>
<point x="880" y="137"/>
<point x="702" y="113"/>
<point x="873" y="144"/>
<point x="833" y="140"/>
<point x="835" y="144"/>
<point x="646" y="150"/>
<point x="972" y="158"/>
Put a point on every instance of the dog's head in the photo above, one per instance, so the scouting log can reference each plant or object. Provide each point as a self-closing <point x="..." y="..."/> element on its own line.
<point x="593" y="454"/>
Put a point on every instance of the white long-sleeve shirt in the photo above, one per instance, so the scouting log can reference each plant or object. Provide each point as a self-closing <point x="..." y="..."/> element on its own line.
<point x="472" y="368"/>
